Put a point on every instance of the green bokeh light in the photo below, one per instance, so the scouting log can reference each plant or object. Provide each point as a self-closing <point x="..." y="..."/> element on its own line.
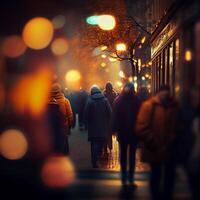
<point x="92" y="20"/>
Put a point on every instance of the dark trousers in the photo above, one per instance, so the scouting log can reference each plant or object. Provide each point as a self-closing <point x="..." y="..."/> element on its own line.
<point x="127" y="172"/>
<point x="164" y="172"/>
<point x="96" y="150"/>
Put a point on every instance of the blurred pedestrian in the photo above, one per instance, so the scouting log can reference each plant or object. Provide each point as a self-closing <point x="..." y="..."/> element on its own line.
<point x="189" y="137"/>
<point x="111" y="95"/>
<point x="98" y="118"/>
<point x="57" y="100"/>
<point x="81" y="101"/>
<point x="156" y="127"/>
<point x="125" y="110"/>
<point x="143" y="94"/>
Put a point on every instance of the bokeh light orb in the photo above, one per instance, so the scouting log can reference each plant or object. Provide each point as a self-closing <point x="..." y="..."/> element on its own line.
<point x="57" y="172"/>
<point x="73" y="76"/>
<point x="58" y="21"/>
<point x="38" y="33"/>
<point x="13" y="144"/>
<point x="106" y="22"/>
<point x="59" y="46"/>
<point x="13" y="46"/>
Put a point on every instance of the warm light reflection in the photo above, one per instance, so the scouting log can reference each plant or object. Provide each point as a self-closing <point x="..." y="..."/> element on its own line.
<point x="103" y="56"/>
<point x="121" y="47"/>
<point x="59" y="21"/>
<point x="135" y="78"/>
<point x="130" y="79"/>
<point x="143" y="78"/>
<point x="57" y="172"/>
<point x="31" y="92"/>
<point x="112" y="59"/>
<point x="13" y="46"/>
<point x="13" y="144"/>
<point x="103" y="48"/>
<point x="119" y="83"/>
<point x="106" y="22"/>
<point x="188" y="55"/>
<point x="103" y="64"/>
<point x="38" y="33"/>
<point x="59" y="46"/>
<point x="143" y="40"/>
<point x="121" y="74"/>
<point x="73" y="76"/>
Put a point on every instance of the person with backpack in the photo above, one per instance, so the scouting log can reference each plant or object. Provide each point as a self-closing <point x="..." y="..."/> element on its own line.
<point x="98" y="119"/>
<point x="156" y="128"/>
<point x="60" y="106"/>
<point x="125" y="110"/>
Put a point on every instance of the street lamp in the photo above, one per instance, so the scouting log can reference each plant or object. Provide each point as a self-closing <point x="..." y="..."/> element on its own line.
<point x="121" y="47"/>
<point x="106" y="22"/>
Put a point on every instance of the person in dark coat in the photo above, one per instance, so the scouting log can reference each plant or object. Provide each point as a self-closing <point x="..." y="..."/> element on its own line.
<point x="156" y="127"/>
<point x="81" y="101"/>
<point x="111" y="95"/>
<point x="189" y="137"/>
<point x="98" y="118"/>
<point x="125" y="110"/>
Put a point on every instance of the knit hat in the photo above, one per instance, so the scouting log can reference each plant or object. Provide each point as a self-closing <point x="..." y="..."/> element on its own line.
<point x="95" y="90"/>
<point x="56" y="88"/>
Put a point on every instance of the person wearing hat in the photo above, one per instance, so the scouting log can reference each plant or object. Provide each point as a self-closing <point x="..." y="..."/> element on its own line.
<point x="58" y="98"/>
<point x="156" y="127"/>
<point x="98" y="118"/>
<point x="125" y="110"/>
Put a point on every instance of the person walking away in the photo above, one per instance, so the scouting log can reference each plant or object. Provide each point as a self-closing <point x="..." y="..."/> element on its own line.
<point x="82" y="97"/>
<point x="125" y="110"/>
<point x="65" y="109"/>
<point x="156" y="127"/>
<point x="98" y="118"/>
<point x="189" y="137"/>
<point x="111" y="95"/>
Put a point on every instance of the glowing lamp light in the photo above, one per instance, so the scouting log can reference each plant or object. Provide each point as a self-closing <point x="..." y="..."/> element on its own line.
<point x="13" y="46"/>
<point x="59" y="46"/>
<point x="103" y="56"/>
<point x="188" y="55"/>
<point x="121" y="74"/>
<point x="143" y="78"/>
<point x="38" y="33"/>
<point x="130" y="79"/>
<point x="103" y="48"/>
<point x="143" y="40"/>
<point x="119" y="83"/>
<point x="112" y="59"/>
<point x="121" y="47"/>
<point x="106" y="22"/>
<point x="135" y="78"/>
<point x="92" y="20"/>
<point x="73" y="76"/>
<point x="103" y="64"/>
<point x="13" y="144"/>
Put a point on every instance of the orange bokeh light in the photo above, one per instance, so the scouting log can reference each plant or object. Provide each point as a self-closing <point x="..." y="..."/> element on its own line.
<point x="13" y="144"/>
<point x="59" y="46"/>
<point x="31" y="92"/>
<point x="13" y="46"/>
<point x="57" y="172"/>
<point x="38" y="33"/>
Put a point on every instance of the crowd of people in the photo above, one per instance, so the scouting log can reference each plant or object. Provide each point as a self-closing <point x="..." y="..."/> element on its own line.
<point x="167" y="132"/>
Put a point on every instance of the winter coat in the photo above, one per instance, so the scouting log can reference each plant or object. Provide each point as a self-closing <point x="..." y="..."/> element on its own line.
<point x="125" y="110"/>
<point x="156" y="127"/>
<point x="97" y="116"/>
<point x="111" y="96"/>
<point x="64" y="106"/>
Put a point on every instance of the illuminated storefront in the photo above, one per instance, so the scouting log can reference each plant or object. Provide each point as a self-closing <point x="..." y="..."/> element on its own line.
<point x="171" y="42"/>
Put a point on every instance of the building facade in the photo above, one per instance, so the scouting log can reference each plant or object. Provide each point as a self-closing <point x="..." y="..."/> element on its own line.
<point x="175" y="44"/>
